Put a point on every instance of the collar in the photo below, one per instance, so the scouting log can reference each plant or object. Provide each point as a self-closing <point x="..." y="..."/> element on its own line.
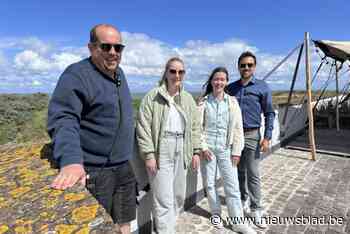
<point x="252" y="80"/>
<point x="164" y="92"/>
<point x="116" y="73"/>
<point x="211" y="97"/>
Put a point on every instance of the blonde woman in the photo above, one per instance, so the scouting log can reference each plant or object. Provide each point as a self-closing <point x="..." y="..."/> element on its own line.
<point x="222" y="144"/>
<point x="168" y="136"/>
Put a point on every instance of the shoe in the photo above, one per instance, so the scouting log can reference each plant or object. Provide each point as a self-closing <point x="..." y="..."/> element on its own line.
<point x="258" y="219"/>
<point x="245" y="206"/>
<point x="243" y="228"/>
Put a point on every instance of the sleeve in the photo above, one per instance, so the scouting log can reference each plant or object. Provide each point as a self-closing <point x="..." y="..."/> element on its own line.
<point x="269" y="113"/>
<point x="144" y="129"/>
<point x="201" y="110"/>
<point x="64" y="115"/>
<point x="196" y="129"/>
<point x="238" y="134"/>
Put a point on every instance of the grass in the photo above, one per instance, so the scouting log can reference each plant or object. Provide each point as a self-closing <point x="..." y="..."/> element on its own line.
<point x="23" y="117"/>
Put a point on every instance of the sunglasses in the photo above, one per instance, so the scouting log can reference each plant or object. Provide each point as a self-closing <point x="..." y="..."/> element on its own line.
<point x="180" y="72"/>
<point x="244" y="65"/>
<point x="106" y="47"/>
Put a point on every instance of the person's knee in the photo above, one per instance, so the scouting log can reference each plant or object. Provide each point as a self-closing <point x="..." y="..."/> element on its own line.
<point x="233" y="194"/>
<point x="254" y="175"/>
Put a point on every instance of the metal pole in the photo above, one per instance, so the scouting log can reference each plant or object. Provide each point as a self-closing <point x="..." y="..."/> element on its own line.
<point x="309" y="97"/>
<point x="292" y="85"/>
<point x="337" y="93"/>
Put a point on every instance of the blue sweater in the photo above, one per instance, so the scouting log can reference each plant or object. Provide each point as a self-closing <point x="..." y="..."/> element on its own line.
<point x="88" y="111"/>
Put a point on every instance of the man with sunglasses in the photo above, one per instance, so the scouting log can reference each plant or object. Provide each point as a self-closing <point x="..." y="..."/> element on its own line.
<point x="254" y="97"/>
<point x="90" y="121"/>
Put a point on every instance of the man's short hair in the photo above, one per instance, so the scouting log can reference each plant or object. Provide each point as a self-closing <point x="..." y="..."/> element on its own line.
<point x="246" y="54"/>
<point x="93" y="34"/>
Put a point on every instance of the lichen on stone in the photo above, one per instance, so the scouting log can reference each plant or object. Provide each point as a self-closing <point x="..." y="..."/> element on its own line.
<point x="73" y="197"/>
<point x="3" y="228"/>
<point x="19" y="191"/>
<point x="65" y="228"/>
<point x="84" y="214"/>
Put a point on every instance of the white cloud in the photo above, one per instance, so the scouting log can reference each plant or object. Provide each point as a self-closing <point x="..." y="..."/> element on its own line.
<point x="144" y="56"/>
<point x="62" y="60"/>
<point x="29" y="43"/>
<point x="29" y="60"/>
<point x="38" y="63"/>
<point x="36" y="83"/>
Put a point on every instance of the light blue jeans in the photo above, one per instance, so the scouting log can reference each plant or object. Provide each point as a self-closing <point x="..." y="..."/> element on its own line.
<point x="168" y="185"/>
<point x="221" y="160"/>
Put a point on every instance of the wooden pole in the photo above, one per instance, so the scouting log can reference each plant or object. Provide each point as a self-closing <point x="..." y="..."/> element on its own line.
<point x="309" y="98"/>
<point x="337" y="98"/>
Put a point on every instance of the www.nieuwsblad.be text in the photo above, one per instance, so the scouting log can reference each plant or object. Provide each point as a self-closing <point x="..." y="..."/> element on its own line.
<point x="275" y="220"/>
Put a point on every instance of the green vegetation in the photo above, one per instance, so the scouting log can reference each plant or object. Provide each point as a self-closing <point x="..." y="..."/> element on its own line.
<point x="281" y="97"/>
<point x="23" y="117"/>
<point x="136" y="104"/>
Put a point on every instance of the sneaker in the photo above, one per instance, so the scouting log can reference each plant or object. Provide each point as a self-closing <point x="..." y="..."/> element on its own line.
<point x="245" y="206"/>
<point x="258" y="219"/>
<point x="243" y="228"/>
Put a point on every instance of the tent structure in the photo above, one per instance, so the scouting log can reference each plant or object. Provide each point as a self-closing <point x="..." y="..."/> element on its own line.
<point x="339" y="52"/>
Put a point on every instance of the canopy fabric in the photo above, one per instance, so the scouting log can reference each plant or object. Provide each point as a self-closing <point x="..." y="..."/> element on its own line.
<point x="338" y="50"/>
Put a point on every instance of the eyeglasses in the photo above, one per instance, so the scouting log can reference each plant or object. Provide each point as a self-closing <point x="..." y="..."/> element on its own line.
<point x="180" y="72"/>
<point x="106" y="47"/>
<point x="244" y="65"/>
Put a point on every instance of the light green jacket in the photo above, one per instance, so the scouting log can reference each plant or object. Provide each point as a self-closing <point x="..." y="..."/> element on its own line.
<point x="151" y="121"/>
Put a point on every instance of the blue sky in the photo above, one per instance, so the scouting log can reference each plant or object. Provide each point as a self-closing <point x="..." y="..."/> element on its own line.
<point x="38" y="39"/>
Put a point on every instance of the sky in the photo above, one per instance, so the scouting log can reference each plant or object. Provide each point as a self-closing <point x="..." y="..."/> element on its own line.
<point x="39" y="39"/>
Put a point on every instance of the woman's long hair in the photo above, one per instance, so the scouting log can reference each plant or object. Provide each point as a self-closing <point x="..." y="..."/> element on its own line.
<point x="207" y="85"/>
<point x="167" y="65"/>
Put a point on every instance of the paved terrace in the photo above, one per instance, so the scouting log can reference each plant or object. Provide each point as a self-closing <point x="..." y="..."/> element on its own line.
<point x="292" y="186"/>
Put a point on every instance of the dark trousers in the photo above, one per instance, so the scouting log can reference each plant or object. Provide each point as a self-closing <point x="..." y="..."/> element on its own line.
<point x="115" y="189"/>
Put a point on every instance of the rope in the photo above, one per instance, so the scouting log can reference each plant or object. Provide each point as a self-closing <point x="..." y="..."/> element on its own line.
<point x="282" y="61"/>
<point x="293" y="83"/>
<point x="346" y="87"/>
<point x="345" y="97"/>
<point x="325" y="86"/>
<point x="303" y="99"/>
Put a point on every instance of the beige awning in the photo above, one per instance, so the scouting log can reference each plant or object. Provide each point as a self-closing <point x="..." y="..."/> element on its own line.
<point x="338" y="50"/>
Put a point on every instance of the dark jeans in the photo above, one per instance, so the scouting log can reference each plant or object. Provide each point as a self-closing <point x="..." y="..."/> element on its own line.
<point x="115" y="189"/>
<point x="248" y="170"/>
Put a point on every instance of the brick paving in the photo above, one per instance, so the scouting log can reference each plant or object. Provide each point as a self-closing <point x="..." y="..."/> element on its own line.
<point x="292" y="186"/>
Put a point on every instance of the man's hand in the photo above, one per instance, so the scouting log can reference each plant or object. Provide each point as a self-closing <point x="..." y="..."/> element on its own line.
<point x="195" y="162"/>
<point x="235" y="160"/>
<point x="69" y="175"/>
<point x="151" y="166"/>
<point x="265" y="145"/>
<point x="207" y="155"/>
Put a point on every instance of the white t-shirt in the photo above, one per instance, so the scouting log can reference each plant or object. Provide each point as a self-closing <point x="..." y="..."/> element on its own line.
<point x="175" y="121"/>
